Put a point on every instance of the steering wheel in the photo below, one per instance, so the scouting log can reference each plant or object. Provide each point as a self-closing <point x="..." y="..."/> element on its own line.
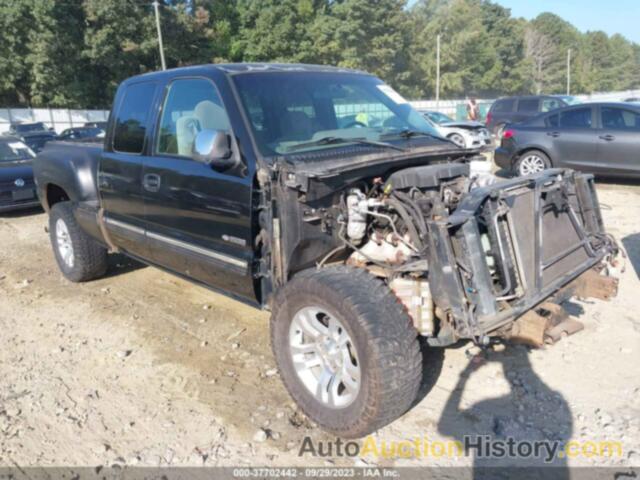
<point x="355" y="123"/>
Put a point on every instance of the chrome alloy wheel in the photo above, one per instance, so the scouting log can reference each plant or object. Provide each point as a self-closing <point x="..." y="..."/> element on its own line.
<point x="531" y="164"/>
<point x="65" y="247"/>
<point x="324" y="357"/>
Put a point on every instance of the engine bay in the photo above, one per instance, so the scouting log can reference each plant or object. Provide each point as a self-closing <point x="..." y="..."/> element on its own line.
<point x="461" y="249"/>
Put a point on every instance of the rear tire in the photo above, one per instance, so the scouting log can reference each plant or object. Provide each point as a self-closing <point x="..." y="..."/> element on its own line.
<point x="80" y="258"/>
<point x="379" y="371"/>
<point x="531" y="162"/>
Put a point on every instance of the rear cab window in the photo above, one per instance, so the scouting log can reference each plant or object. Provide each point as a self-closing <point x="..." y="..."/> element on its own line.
<point x="132" y="118"/>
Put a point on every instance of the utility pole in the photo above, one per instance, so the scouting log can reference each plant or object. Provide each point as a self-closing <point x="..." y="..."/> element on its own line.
<point x="569" y="72"/>
<point x="155" y="7"/>
<point x="437" y="72"/>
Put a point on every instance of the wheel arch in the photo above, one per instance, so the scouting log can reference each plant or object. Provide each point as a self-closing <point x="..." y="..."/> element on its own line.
<point x="54" y="193"/>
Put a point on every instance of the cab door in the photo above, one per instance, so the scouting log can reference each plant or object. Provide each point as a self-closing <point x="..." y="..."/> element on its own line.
<point x="573" y="136"/>
<point x="120" y="169"/>
<point x="198" y="219"/>
<point x="619" y="141"/>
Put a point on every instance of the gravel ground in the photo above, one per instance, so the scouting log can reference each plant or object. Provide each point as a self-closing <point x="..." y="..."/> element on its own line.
<point x="141" y="368"/>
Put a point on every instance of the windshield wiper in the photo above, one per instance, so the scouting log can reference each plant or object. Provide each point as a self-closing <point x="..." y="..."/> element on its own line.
<point x="406" y="133"/>
<point x="339" y="140"/>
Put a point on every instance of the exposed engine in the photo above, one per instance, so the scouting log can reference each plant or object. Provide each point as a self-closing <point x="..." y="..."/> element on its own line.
<point x="386" y="227"/>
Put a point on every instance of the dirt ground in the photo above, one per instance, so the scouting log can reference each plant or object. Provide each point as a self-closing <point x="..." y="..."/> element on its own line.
<point x="142" y="368"/>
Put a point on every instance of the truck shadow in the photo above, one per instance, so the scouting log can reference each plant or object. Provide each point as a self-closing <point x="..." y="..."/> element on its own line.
<point x="530" y="412"/>
<point x="432" y="363"/>
<point x="24" y="212"/>
<point x="631" y="244"/>
<point x="120" y="264"/>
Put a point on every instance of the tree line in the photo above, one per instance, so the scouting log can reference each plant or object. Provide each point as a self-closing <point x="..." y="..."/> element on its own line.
<point x="73" y="53"/>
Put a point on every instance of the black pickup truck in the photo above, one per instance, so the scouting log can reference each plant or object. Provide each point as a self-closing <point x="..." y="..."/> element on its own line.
<point x="320" y="194"/>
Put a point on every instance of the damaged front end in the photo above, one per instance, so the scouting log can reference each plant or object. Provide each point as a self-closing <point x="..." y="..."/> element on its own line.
<point x="466" y="253"/>
<point x="512" y="245"/>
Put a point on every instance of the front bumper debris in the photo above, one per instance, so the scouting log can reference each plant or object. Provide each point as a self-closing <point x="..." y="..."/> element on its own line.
<point x="512" y="245"/>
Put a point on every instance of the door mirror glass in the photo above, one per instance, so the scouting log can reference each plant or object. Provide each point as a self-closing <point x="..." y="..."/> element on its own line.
<point x="213" y="147"/>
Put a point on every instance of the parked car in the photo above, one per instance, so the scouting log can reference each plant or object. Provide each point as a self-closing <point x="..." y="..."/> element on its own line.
<point x="465" y="134"/>
<point x="601" y="138"/>
<point x="81" y="133"/>
<point x="518" y="109"/>
<point x="358" y="239"/>
<point x="35" y="135"/>
<point x="100" y="125"/>
<point x="632" y="100"/>
<point x="17" y="189"/>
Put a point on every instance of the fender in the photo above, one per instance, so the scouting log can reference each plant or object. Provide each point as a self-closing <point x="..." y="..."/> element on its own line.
<point x="70" y="168"/>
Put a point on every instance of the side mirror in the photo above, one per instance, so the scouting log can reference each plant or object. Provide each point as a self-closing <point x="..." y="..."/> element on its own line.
<point x="213" y="147"/>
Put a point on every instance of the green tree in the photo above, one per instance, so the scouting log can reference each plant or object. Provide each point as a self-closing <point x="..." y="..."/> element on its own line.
<point x="119" y="41"/>
<point x="59" y="74"/>
<point x="365" y="35"/>
<point x="562" y="36"/>
<point x="467" y="53"/>
<point x="15" y="74"/>
<point x="510" y="72"/>
<point x="274" y="30"/>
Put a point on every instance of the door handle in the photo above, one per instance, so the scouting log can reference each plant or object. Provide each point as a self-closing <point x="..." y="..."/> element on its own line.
<point x="151" y="182"/>
<point x="553" y="134"/>
<point x="608" y="138"/>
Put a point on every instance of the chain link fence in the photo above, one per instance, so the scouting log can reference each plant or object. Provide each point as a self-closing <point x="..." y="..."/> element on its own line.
<point x="57" y="118"/>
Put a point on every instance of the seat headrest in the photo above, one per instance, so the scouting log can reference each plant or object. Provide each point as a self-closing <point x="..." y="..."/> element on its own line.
<point x="212" y="116"/>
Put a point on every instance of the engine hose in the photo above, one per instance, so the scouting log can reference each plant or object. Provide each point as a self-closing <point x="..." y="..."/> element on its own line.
<point x="408" y="221"/>
<point x="419" y="218"/>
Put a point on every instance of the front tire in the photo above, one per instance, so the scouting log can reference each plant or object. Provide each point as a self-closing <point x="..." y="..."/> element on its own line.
<point x="79" y="257"/>
<point x="531" y="162"/>
<point x="346" y="349"/>
<point x="457" y="139"/>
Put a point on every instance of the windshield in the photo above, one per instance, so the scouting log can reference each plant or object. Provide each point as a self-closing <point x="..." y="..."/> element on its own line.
<point x="13" y="150"/>
<point x="296" y="112"/>
<point x="439" y="117"/>
<point x="30" y="127"/>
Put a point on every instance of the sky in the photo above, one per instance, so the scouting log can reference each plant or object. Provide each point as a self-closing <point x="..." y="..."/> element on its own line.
<point x="610" y="16"/>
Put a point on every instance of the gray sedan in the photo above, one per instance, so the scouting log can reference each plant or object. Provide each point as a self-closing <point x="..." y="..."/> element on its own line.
<point x="601" y="138"/>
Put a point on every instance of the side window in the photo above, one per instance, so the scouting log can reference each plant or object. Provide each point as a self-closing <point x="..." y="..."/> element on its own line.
<point x="528" y="105"/>
<point x="190" y="106"/>
<point x="549" y="104"/>
<point x="619" y="119"/>
<point x="553" y="121"/>
<point x="502" y="106"/>
<point x="577" y="118"/>
<point x="131" y="119"/>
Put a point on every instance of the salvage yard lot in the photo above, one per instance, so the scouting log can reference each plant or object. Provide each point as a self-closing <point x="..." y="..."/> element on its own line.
<point x="142" y="368"/>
